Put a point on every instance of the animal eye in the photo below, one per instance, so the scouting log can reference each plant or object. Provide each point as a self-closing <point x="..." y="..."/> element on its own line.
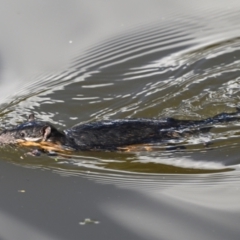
<point x="22" y="134"/>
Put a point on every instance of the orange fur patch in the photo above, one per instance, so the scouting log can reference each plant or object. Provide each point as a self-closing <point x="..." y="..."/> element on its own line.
<point x="136" y="148"/>
<point x="44" y="145"/>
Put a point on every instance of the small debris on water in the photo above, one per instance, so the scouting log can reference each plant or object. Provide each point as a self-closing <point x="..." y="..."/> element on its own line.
<point x="89" y="221"/>
<point x="21" y="191"/>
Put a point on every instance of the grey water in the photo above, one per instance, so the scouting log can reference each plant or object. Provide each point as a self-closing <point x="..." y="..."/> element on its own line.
<point x="77" y="61"/>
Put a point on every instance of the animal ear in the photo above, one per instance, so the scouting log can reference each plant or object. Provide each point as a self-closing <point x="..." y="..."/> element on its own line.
<point x="46" y="131"/>
<point x="31" y="117"/>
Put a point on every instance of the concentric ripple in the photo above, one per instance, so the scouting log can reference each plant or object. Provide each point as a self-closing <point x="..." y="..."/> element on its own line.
<point x="183" y="68"/>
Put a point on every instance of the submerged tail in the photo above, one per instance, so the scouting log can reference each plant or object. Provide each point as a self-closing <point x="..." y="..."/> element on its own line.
<point x="224" y="117"/>
<point x="197" y="124"/>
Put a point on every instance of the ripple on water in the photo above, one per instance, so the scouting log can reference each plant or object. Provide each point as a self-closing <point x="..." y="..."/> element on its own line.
<point x="180" y="68"/>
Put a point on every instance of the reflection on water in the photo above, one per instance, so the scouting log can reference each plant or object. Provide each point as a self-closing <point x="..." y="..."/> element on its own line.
<point x="152" y="72"/>
<point x="153" y="60"/>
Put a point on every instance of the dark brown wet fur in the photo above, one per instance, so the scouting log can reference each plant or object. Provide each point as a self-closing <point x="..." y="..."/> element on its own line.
<point x="119" y="134"/>
<point x="115" y="135"/>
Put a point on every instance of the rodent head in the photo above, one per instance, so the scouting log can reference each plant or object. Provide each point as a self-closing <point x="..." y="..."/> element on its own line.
<point x="30" y="131"/>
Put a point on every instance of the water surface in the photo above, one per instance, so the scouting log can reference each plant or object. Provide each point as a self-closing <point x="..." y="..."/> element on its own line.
<point x="82" y="62"/>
